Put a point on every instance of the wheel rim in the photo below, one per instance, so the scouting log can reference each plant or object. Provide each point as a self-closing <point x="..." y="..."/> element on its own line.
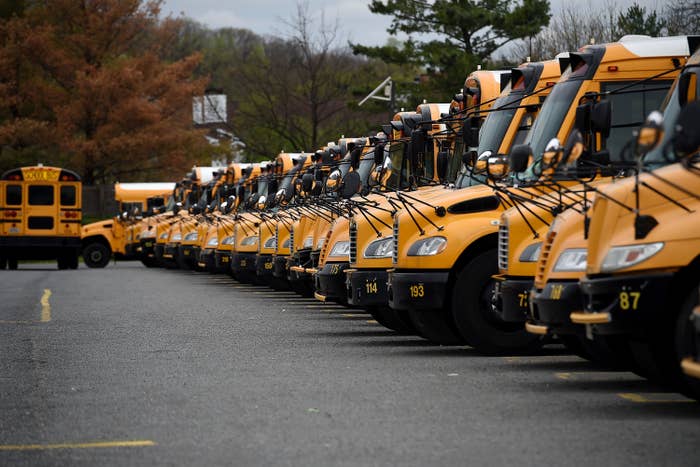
<point x="95" y="256"/>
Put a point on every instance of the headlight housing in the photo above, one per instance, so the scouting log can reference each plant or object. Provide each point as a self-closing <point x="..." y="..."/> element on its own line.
<point x="214" y="241"/>
<point x="572" y="260"/>
<point x="620" y="257"/>
<point x="320" y="242"/>
<point x="148" y="233"/>
<point x="308" y="242"/>
<point x="271" y="243"/>
<point x="176" y="237"/>
<point x="532" y="253"/>
<point x="428" y="246"/>
<point x="381" y="248"/>
<point x="248" y="241"/>
<point x="341" y="248"/>
<point x="192" y="236"/>
<point x="285" y="244"/>
<point x="228" y="240"/>
<point x="164" y="235"/>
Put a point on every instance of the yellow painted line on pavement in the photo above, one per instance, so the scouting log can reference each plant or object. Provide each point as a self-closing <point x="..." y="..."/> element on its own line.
<point x="372" y="321"/>
<point x="98" y="444"/>
<point x="640" y="399"/>
<point x="563" y="375"/>
<point x="45" y="306"/>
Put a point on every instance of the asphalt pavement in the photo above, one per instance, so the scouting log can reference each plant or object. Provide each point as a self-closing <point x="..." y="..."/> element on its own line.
<point x="134" y="366"/>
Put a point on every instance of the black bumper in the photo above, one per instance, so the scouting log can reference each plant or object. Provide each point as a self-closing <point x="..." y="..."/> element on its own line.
<point x="264" y="266"/>
<point x="147" y="248"/>
<point x="279" y="269"/>
<point x="243" y="263"/>
<point x="632" y="302"/>
<point x="300" y="259"/>
<point x="367" y="288"/>
<point x="207" y="260"/>
<point x="188" y="253"/>
<point x="330" y="281"/>
<point x="552" y="307"/>
<point x="222" y="260"/>
<point x="38" y="247"/>
<point x="422" y="290"/>
<point x="512" y="299"/>
<point x="170" y="251"/>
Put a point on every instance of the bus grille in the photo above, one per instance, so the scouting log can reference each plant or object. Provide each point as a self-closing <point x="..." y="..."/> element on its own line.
<point x="291" y="240"/>
<point x="503" y="245"/>
<point x="543" y="259"/>
<point x="353" y="242"/>
<point x="395" y="236"/>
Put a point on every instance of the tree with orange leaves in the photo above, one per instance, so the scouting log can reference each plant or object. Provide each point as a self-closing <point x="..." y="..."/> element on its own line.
<point x="83" y="83"/>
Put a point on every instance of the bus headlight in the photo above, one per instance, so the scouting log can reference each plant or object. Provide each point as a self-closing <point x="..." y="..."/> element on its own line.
<point x="214" y="241"/>
<point x="192" y="236"/>
<point x="532" y="253"/>
<point x="163" y="236"/>
<point x="381" y="248"/>
<point x="428" y="246"/>
<point x="248" y="241"/>
<point x="340" y="249"/>
<point x="228" y="240"/>
<point x="176" y="237"/>
<point x="270" y="243"/>
<point x="572" y="260"/>
<point x="620" y="257"/>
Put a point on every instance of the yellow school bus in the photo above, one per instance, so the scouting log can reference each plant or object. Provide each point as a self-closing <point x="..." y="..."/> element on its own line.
<point x="40" y="216"/>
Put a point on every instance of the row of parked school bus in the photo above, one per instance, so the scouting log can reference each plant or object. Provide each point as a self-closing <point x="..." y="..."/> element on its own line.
<point x="557" y="200"/>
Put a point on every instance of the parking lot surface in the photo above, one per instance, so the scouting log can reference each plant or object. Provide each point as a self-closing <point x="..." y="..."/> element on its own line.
<point x="135" y="366"/>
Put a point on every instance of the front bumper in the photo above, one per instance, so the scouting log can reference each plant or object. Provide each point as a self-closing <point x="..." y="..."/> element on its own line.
<point x="367" y="288"/>
<point x="552" y="306"/>
<point x="170" y="251"/>
<point x="623" y="305"/>
<point x="264" y="266"/>
<point x="298" y="266"/>
<point x="207" y="260"/>
<point x="38" y="247"/>
<point x="330" y="281"/>
<point x="279" y="268"/>
<point x="243" y="263"/>
<point x="147" y="247"/>
<point x="222" y="260"/>
<point x="188" y="253"/>
<point x="421" y="290"/>
<point x="511" y="297"/>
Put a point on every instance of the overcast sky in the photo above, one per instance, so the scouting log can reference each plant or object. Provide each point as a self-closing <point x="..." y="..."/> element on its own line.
<point x="357" y="22"/>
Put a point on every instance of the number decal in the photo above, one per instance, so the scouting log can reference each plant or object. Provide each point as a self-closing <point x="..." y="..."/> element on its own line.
<point x="629" y="300"/>
<point x="243" y="263"/>
<point x="523" y="299"/>
<point x="555" y="293"/>
<point x="268" y="265"/>
<point x="335" y="269"/>
<point x="371" y="287"/>
<point x="416" y="291"/>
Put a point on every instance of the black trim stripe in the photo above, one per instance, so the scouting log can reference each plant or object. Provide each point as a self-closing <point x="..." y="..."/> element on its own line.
<point x="77" y="221"/>
<point x="71" y="209"/>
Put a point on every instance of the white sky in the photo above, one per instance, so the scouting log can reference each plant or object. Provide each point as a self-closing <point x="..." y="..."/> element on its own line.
<point x="357" y="23"/>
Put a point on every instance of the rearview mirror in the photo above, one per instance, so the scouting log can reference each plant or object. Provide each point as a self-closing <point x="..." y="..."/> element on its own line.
<point x="601" y="118"/>
<point x="416" y="149"/>
<point x="470" y="132"/>
<point x="351" y="185"/>
<point x="687" y="84"/>
<point x="379" y="154"/>
<point x="307" y="182"/>
<point x="520" y="157"/>
<point x="443" y="164"/>
<point x="686" y="138"/>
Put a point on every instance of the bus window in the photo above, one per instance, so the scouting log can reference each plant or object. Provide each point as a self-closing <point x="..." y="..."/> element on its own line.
<point x="40" y="195"/>
<point x="13" y="195"/>
<point x="68" y="195"/>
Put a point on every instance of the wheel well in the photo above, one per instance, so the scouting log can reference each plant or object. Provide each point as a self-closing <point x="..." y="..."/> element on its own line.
<point x="477" y="247"/>
<point x="96" y="239"/>
<point x="686" y="279"/>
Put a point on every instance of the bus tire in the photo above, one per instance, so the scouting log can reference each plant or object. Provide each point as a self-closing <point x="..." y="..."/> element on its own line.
<point x="472" y="313"/>
<point x="12" y="264"/>
<point x="73" y="260"/>
<point x="391" y="319"/>
<point x="687" y="344"/>
<point x="3" y="264"/>
<point x="149" y="262"/>
<point x="436" y="327"/>
<point x="96" y="255"/>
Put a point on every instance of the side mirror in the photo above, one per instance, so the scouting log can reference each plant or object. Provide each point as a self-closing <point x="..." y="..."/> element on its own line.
<point x="520" y="157"/>
<point x="686" y="138"/>
<point x="262" y="202"/>
<point x="443" y="164"/>
<point x="333" y="181"/>
<point x="687" y="84"/>
<point x="307" y="182"/>
<point x="582" y="118"/>
<point x="351" y="185"/>
<point x="601" y="118"/>
<point x="552" y="153"/>
<point x="470" y="132"/>
<point x="355" y="158"/>
<point x="650" y="133"/>
<point x="379" y="154"/>
<point x="497" y="167"/>
<point x="416" y="149"/>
